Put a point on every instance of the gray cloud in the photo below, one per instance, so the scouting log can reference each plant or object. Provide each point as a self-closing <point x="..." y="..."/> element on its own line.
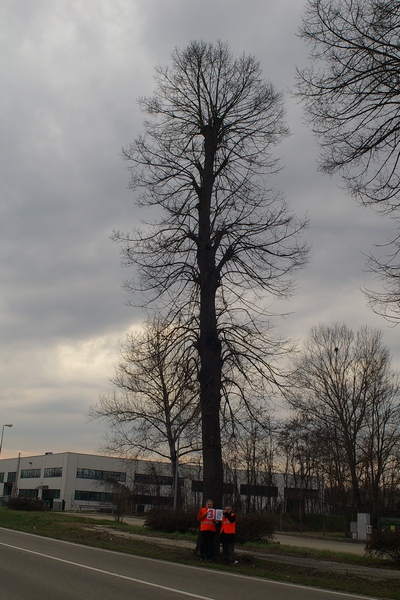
<point x="71" y="74"/>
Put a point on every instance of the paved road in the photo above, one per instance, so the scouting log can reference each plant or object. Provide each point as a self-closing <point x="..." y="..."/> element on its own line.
<point x="34" y="567"/>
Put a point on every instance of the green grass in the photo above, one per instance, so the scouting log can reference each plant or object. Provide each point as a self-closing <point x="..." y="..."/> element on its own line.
<point x="324" y="555"/>
<point x="107" y="534"/>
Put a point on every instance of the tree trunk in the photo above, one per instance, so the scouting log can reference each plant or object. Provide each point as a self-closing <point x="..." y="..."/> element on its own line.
<point x="209" y="344"/>
<point x="210" y="399"/>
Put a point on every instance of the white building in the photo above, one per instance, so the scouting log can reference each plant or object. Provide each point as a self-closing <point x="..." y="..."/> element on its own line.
<point x="74" y="481"/>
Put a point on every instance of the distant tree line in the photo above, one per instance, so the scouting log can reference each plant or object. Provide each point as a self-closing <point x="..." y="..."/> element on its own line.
<point x="341" y="435"/>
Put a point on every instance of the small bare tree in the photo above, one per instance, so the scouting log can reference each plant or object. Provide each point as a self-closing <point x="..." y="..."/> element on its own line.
<point x="155" y="408"/>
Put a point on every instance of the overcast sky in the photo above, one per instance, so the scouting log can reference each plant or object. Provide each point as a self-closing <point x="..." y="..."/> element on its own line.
<point x="71" y="73"/>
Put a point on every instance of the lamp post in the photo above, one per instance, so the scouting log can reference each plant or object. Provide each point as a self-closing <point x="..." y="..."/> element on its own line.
<point x="176" y="475"/>
<point x="2" y="434"/>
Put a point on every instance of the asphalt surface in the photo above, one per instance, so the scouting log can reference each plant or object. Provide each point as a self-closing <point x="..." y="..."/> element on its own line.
<point x="36" y="567"/>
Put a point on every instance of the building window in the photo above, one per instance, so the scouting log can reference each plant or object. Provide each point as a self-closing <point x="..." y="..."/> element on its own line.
<point x="93" y="496"/>
<point x="301" y="493"/>
<point x="153" y="479"/>
<point x="1" y="477"/>
<point x="152" y="500"/>
<point x="28" y="473"/>
<point x="197" y="487"/>
<point x="266" y="491"/>
<point x="53" y="472"/>
<point x="48" y="494"/>
<point x="100" y="475"/>
<point x="11" y="477"/>
<point x="28" y="493"/>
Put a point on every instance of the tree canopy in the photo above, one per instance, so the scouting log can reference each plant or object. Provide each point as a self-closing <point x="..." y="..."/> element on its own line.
<point x="223" y="238"/>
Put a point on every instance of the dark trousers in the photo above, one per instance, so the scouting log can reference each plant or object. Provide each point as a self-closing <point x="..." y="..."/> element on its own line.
<point x="228" y="549"/>
<point x="207" y="544"/>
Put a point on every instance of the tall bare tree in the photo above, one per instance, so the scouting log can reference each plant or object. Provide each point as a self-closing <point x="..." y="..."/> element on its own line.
<point x="344" y="383"/>
<point x="352" y="100"/>
<point x="224" y="239"/>
<point x="155" y="407"/>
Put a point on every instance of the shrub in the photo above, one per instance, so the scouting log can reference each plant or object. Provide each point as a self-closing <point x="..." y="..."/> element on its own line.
<point x="27" y="504"/>
<point x="255" y="527"/>
<point x="170" y="520"/>
<point x="384" y="544"/>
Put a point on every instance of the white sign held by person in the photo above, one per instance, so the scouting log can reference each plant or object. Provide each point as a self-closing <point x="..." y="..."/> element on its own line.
<point x="214" y="514"/>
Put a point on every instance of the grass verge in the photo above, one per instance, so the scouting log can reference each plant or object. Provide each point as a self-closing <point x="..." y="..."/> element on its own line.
<point x="118" y="537"/>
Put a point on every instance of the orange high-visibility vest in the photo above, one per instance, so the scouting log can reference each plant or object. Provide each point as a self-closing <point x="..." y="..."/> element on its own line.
<point x="205" y="524"/>
<point x="227" y="526"/>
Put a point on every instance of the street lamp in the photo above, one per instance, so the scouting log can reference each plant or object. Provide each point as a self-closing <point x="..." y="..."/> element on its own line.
<point x="176" y="473"/>
<point x="2" y="434"/>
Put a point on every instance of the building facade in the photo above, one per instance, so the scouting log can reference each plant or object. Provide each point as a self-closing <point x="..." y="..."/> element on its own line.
<point x="74" y="481"/>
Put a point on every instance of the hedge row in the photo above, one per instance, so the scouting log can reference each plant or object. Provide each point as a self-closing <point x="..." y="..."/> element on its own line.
<point x="249" y="528"/>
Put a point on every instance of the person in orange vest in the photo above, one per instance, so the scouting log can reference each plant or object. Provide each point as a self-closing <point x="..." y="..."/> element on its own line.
<point x="227" y="536"/>
<point x="207" y="531"/>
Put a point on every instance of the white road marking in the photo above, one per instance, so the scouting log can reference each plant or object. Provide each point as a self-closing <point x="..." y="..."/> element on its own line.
<point x="104" y="572"/>
<point x="188" y="594"/>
